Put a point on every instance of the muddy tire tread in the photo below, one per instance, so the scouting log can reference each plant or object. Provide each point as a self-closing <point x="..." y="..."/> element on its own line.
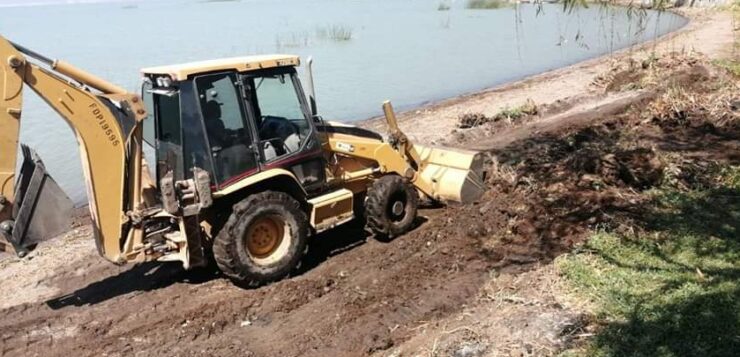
<point x="375" y="206"/>
<point x="225" y="249"/>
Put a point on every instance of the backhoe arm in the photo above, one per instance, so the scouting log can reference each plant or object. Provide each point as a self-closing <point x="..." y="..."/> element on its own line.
<point x="108" y="133"/>
<point x="11" y="102"/>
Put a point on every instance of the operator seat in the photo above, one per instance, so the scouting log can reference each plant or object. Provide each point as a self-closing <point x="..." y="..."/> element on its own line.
<point x="215" y="127"/>
<point x="231" y="157"/>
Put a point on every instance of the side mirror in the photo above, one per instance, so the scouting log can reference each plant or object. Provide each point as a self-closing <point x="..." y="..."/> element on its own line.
<point x="318" y="119"/>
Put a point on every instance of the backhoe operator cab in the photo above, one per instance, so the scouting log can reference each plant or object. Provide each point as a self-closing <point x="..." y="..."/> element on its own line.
<point x="232" y="124"/>
<point x="243" y="167"/>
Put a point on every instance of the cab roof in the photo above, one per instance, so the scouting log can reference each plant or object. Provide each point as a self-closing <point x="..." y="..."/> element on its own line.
<point x="182" y="71"/>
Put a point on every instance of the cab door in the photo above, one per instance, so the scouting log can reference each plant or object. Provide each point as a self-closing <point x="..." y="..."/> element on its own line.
<point x="228" y="132"/>
<point x="286" y="136"/>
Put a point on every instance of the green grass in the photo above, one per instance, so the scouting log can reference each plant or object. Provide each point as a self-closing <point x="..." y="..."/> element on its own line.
<point x="515" y="113"/>
<point x="731" y="65"/>
<point x="730" y="177"/>
<point x="511" y="113"/>
<point x="674" y="291"/>
<point x="487" y="4"/>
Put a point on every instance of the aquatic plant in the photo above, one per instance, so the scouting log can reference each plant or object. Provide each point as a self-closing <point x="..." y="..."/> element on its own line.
<point x="292" y="40"/>
<point x="487" y="4"/>
<point x="334" y="32"/>
<point x="305" y="38"/>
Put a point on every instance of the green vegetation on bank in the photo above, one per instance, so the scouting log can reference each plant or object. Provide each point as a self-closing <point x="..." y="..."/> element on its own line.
<point x="731" y="65"/>
<point x="511" y="115"/>
<point x="515" y="113"/>
<point x="674" y="288"/>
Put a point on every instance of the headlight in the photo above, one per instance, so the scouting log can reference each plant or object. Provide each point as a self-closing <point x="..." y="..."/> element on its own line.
<point x="164" y="81"/>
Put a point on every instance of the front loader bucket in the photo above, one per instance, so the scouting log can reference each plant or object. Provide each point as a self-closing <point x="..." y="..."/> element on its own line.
<point x="455" y="175"/>
<point x="42" y="210"/>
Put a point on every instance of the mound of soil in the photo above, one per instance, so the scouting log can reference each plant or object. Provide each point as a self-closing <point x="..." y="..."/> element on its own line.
<point x="675" y="69"/>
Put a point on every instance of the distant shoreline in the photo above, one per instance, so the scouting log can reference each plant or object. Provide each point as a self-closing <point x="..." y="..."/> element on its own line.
<point x="433" y="121"/>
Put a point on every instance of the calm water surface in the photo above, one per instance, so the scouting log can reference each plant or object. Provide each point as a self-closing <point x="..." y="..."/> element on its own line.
<point x="404" y="50"/>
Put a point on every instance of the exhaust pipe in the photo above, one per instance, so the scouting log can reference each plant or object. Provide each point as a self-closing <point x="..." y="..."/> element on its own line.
<point x="41" y="209"/>
<point x="311" y="89"/>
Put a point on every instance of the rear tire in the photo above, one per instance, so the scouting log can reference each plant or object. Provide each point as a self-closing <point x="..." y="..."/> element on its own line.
<point x="263" y="240"/>
<point x="391" y="206"/>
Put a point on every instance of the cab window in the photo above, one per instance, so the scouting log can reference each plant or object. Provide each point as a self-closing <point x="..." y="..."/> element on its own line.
<point x="168" y="145"/>
<point x="227" y="132"/>
<point x="282" y="125"/>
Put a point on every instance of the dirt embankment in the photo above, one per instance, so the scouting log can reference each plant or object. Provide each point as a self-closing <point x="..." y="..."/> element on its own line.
<point x="468" y="281"/>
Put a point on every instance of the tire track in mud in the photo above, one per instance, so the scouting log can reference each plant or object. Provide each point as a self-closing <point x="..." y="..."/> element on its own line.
<point x="357" y="302"/>
<point x="364" y="300"/>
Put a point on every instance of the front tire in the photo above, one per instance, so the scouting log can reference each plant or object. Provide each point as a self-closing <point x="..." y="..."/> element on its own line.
<point x="264" y="239"/>
<point x="391" y="206"/>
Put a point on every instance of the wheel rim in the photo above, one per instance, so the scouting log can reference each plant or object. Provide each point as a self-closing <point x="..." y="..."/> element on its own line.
<point x="397" y="206"/>
<point x="264" y="236"/>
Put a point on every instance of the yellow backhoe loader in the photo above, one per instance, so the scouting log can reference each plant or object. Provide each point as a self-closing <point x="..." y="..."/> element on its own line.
<point x="244" y="166"/>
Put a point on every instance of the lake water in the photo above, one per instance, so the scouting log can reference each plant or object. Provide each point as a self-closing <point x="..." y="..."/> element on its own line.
<point x="403" y="50"/>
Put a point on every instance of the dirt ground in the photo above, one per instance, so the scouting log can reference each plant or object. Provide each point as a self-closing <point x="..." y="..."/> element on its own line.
<point x="469" y="280"/>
